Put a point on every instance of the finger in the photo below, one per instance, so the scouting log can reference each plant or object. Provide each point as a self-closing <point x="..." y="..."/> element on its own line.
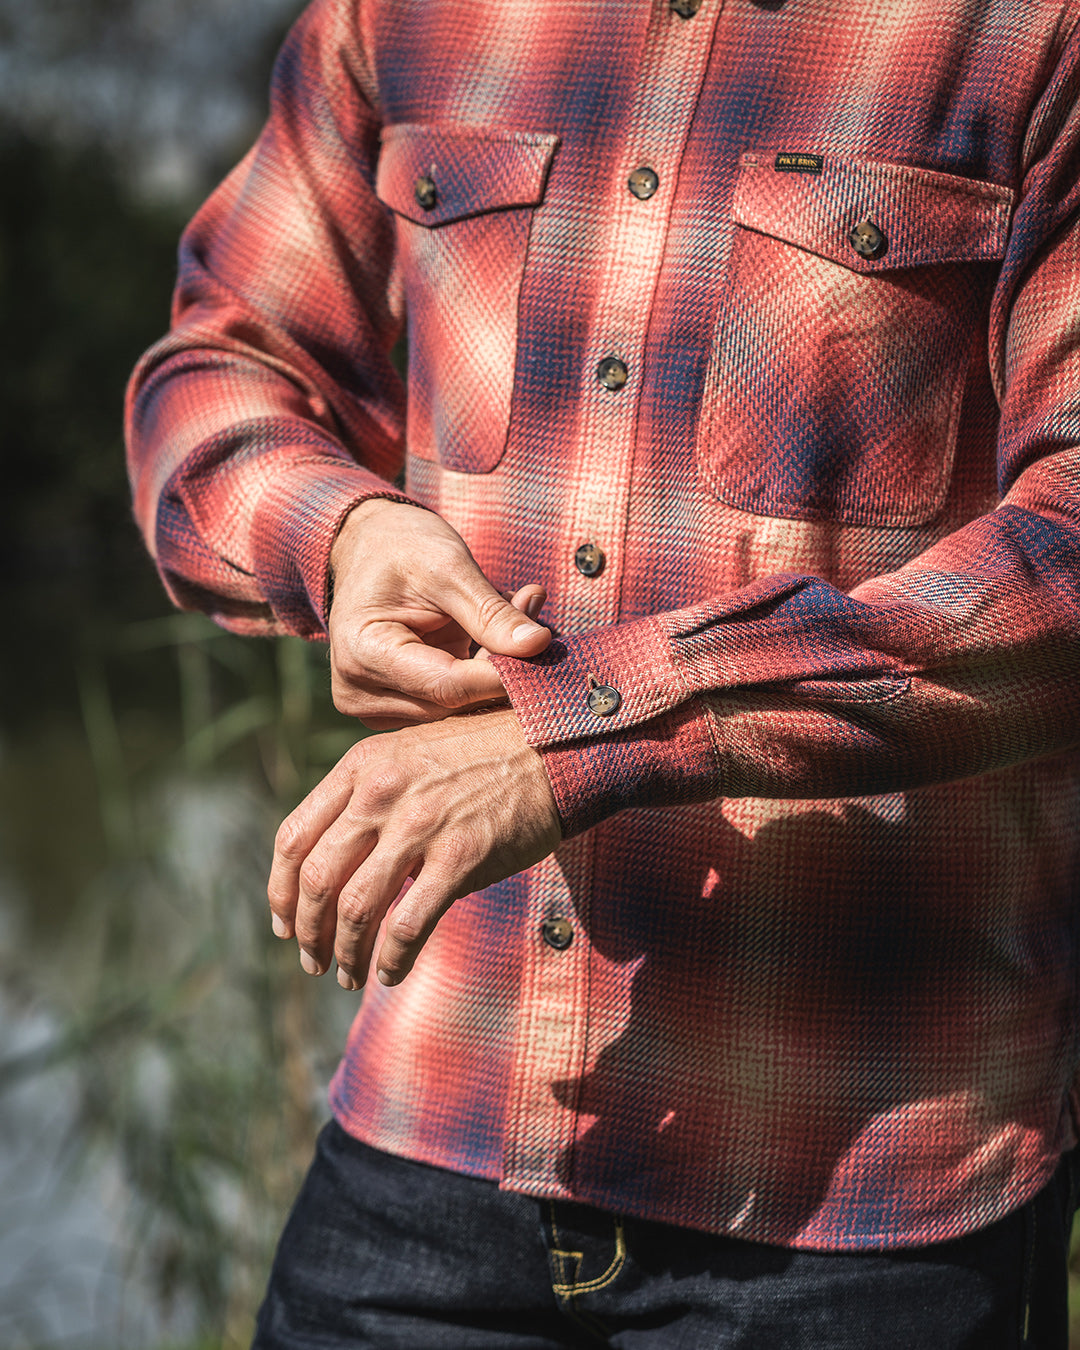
<point x="338" y="854"/>
<point x="362" y="906"/>
<point x="413" y="921"/>
<point x="529" y="599"/>
<point x="399" y="675"/>
<point x="296" y="837"/>
<point x="383" y="709"/>
<point x="488" y="617"/>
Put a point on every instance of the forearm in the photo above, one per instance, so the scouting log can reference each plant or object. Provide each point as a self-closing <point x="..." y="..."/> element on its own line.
<point x="960" y="663"/>
<point x="272" y="407"/>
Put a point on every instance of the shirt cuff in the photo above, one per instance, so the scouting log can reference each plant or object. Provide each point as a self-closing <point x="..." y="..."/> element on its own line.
<point x="296" y="523"/>
<point x="670" y="761"/>
<point x="555" y="694"/>
<point x="612" y="718"/>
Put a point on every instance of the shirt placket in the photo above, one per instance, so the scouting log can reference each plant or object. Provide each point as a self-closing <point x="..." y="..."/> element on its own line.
<point x="629" y="220"/>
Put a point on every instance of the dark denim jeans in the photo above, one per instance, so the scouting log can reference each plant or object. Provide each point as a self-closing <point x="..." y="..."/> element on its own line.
<point x="383" y="1252"/>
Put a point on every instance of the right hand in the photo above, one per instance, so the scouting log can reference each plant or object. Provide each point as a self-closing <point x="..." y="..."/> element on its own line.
<point x="409" y="603"/>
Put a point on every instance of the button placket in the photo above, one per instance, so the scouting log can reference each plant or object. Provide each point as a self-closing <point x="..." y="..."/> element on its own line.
<point x="669" y="79"/>
<point x="553" y="1033"/>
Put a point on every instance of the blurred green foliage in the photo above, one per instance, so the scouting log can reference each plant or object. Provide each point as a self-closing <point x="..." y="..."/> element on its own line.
<point x="146" y="760"/>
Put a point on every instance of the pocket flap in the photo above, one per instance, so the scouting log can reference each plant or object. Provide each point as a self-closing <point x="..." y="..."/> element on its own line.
<point x="469" y="170"/>
<point x="815" y="201"/>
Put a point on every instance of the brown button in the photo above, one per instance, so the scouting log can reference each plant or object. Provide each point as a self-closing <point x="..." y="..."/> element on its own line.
<point x="557" y="933"/>
<point x="686" y="9"/>
<point x="643" y="183"/>
<point x="603" y="700"/>
<point x="612" y="373"/>
<point x="424" y="191"/>
<point x="589" y="560"/>
<point x="867" y="240"/>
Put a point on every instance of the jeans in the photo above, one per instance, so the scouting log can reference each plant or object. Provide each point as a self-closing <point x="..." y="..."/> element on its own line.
<point x="380" y="1251"/>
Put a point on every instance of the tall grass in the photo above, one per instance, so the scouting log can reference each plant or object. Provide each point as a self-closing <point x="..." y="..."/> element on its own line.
<point x="197" y="1051"/>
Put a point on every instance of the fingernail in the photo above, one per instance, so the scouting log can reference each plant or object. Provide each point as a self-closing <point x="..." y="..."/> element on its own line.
<point x="311" y="966"/>
<point x="386" y="978"/>
<point x="523" y="632"/>
<point x="534" y="606"/>
<point x="280" y="930"/>
<point x="345" y="979"/>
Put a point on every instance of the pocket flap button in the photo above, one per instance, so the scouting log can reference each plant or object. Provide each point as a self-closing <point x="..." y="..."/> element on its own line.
<point x="604" y="701"/>
<point x="424" y="191"/>
<point x="867" y="240"/>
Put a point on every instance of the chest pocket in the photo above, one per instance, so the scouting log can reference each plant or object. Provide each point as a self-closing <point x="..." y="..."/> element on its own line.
<point x="836" y="381"/>
<point x="464" y="200"/>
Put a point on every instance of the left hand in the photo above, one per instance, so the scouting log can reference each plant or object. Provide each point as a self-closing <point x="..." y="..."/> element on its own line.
<point x="456" y="805"/>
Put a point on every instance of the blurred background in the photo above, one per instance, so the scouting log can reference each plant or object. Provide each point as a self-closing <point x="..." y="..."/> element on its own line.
<point x="163" y="1064"/>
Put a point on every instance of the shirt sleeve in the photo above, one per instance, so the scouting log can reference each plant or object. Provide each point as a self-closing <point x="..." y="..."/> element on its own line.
<point x="963" y="661"/>
<point x="272" y="408"/>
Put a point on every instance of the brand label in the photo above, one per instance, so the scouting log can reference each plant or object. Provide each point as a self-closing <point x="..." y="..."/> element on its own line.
<point x="790" y="161"/>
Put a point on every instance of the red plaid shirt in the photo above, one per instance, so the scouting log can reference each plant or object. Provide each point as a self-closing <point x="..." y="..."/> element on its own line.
<point x="810" y="387"/>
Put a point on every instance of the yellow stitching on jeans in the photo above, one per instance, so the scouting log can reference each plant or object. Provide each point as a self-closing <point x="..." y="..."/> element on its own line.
<point x="560" y="1255"/>
<point x="602" y="1281"/>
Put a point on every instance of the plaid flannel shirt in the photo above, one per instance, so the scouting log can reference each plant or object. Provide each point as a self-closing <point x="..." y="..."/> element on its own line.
<point x="808" y="385"/>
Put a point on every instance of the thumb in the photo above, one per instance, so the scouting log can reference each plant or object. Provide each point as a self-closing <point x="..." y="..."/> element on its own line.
<point x="493" y="622"/>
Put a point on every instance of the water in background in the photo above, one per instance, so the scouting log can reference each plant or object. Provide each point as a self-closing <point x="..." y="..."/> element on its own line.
<point x="164" y="1061"/>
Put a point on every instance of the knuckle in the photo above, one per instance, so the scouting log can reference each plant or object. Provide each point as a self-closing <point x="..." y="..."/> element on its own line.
<point x="290" y="839"/>
<point x="381" y="787"/>
<point x="316" y="880"/>
<point x="354" y="910"/>
<point x="405" y="930"/>
<point x="446" y="691"/>
<point x="490" y="609"/>
<point x="412" y="823"/>
<point x="348" y="699"/>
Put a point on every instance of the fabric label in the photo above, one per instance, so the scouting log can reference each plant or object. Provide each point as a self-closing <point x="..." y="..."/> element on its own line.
<point x="789" y="161"/>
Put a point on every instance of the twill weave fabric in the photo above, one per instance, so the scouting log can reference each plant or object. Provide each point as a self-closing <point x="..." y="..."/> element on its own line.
<point x="822" y="861"/>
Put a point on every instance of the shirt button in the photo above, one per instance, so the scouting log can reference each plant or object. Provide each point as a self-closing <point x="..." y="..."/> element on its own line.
<point x="643" y="183"/>
<point x="589" y="560"/>
<point x="612" y="373"/>
<point x="686" y="9"/>
<point x="603" y="700"/>
<point x="867" y="240"/>
<point x="557" y="933"/>
<point x="424" y="192"/>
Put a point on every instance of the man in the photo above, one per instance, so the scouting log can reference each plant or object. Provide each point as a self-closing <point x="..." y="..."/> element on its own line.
<point x="747" y="333"/>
